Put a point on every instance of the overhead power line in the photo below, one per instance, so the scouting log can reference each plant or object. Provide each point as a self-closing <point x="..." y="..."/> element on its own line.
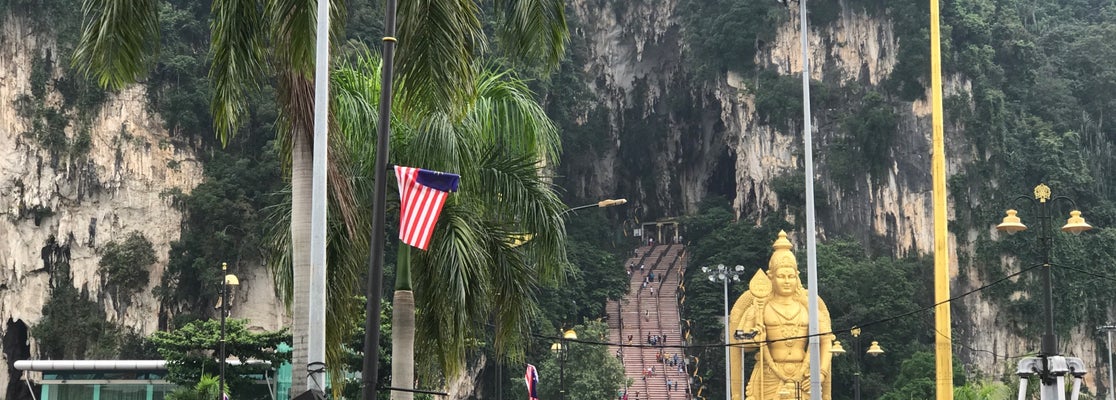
<point x="835" y="331"/>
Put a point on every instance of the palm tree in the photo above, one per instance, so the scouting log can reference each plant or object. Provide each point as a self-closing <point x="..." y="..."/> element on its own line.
<point x="471" y="274"/>
<point x="117" y="46"/>
<point x="205" y="389"/>
<point x="254" y="40"/>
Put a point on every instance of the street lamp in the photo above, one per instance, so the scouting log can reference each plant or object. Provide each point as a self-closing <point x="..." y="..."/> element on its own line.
<point x="223" y="305"/>
<point x="1075" y="224"/>
<point x="873" y="350"/>
<point x="601" y="204"/>
<point x="561" y="351"/>
<point x="724" y="274"/>
<point x="520" y="239"/>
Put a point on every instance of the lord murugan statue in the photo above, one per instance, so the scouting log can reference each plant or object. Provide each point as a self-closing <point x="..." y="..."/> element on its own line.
<point x="771" y="319"/>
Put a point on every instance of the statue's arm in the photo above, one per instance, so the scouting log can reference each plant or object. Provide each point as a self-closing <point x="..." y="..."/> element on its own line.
<point x="825" y="329"/>
<point x="736" y="315"/>
<point x="745" y="317"/>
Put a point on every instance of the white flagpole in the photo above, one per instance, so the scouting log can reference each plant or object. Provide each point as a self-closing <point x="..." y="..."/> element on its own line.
<point x="811" y="234"/>
<point x="315" y="342"/>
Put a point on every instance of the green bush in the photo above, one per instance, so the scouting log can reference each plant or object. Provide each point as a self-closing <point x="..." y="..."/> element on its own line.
<point x="725" y="34"/>
<point x="124" y="267"/>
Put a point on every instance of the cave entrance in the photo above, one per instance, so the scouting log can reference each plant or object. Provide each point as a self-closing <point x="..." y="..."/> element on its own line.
<point x="17" y="346"/>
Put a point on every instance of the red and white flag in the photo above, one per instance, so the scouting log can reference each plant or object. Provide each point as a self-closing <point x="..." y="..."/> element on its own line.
<point x="532" y="378"/>
<point x="421" y="196"/>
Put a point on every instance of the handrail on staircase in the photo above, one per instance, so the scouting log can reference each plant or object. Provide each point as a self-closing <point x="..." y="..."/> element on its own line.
<point x="664" y="260"/>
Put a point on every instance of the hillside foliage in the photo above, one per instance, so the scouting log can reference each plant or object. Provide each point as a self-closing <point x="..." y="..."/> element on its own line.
<point x="1039" y="84"/>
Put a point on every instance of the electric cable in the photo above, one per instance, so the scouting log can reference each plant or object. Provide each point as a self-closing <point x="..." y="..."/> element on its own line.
<point x="835" y="331"/>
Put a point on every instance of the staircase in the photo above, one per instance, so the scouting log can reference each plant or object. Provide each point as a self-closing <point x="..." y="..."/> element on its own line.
<point x="641" y="314"/>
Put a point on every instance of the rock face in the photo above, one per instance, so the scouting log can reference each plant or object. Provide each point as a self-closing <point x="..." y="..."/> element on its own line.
<point x="707" y="135"/>
<point x="635" y="63"/>
<point x="51" y="201"/>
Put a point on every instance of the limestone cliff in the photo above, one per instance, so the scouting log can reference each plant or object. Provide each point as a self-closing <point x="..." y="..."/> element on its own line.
<point x="51" y="202"/>
<point x="636" y="62"/>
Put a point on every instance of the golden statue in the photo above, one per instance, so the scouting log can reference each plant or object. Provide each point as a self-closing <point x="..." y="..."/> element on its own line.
<point x="774" y="319"/>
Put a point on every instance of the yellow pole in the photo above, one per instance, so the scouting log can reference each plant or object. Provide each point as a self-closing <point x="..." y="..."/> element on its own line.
<point x="943" y="346"/>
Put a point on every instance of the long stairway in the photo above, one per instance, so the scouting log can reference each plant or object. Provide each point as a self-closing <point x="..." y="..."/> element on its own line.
<point x="651" y="310"/>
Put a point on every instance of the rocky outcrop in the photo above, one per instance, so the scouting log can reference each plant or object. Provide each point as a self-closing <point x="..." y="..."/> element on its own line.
<point x="635" y="61"/>
<point x="121" y="184"/>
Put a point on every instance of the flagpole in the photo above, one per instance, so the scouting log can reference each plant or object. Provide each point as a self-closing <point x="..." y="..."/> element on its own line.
<point x="379" y="196"/>
<point x="943" y="340"/>
<point x="811" y="234"/>
<point x="315" y="340"/>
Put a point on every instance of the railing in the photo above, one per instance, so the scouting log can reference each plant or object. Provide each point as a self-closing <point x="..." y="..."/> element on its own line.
<point x="658" y="256"/>
<point x="668" y="374"/>
<point x="639" y="322"/>
<point x="691" y="368"/>
<point x="677" y="268"/>
<point x="666" y="261"/>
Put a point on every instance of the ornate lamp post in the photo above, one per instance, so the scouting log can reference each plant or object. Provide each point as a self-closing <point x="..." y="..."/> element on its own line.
<point x="724" y="274"/>
<point x="873" y="350"/>
<point x="1040" y="204"/>
<point x="561" y="351"/>
<point x="223" y="305"/>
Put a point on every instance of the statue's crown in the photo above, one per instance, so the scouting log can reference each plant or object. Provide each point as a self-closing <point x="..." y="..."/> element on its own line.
<point x="783" y="255"/>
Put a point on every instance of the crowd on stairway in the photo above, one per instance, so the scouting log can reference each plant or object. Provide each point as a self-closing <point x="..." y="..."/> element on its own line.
<point x="646" y="327"/>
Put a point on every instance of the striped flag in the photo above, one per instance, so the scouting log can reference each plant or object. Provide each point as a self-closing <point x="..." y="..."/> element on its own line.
<point x="532" y="378"/>
<point x="421" y="196"/>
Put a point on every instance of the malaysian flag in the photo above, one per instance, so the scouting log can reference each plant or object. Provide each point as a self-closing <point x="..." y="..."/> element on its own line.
<point x="421" y="196"/>
<point x="532" y="378"/>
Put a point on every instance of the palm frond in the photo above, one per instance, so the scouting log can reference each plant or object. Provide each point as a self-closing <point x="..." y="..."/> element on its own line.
<point x="451" y="285"/>
<point x="533" y="29"/>
<point x="119" y="40"/>
<point x="438" y="42"/>
<point x="296" y="102"/>
<point x="514" y="284"/>
<point x="521" y="196"/>
<point x="507" y="114"/>
<point x="238" y="61"/>
<point x="355" y="97"/>
<point x="356" y="93"/>
<point x="293" y="26"/>
<point x="278" y="238"/>
<point x="437" y="144"/>
<point x="346" y="254"/>
<point x="346" y="206"/>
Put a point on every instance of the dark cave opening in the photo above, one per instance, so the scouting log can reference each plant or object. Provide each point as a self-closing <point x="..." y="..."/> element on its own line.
<point x="17" y="346"/>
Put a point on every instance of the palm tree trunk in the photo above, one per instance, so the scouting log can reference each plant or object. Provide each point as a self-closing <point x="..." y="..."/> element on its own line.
<point x="302" y="157"/>
<point x="403" y="328"/>
<point x="403" y="344"/>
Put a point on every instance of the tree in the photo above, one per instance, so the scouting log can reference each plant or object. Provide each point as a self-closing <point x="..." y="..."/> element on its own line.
<point x="253" y="41"/>
<point x="123" y="268"/>
<point x="190" y="350"/>
<point x="223" y="221"/>
<point x="472" y="272"/>
<point x="73" y="326"/>
<point x="589" y="372"/>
